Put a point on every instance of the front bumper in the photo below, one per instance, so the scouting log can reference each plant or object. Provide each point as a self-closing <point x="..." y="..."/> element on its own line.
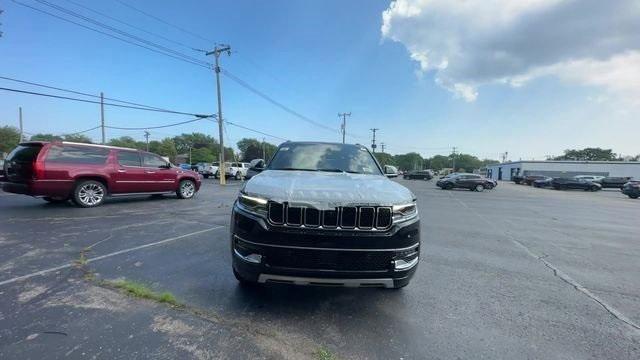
<point x="265" y="253"/>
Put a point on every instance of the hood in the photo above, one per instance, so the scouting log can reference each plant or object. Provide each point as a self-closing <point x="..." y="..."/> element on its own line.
<point x="327" y="190"/>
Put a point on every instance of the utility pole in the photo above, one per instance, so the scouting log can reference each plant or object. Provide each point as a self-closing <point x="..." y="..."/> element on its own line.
<point x="264" y="154"/>
<point x="453" y="156"/>
<point x="219" y="49"/>
<point x="146" y="136"/>
<point x="102" y="117"/>
<point x="20" y="120"/>
<point x="190" y="147"/>
<point x="373" y="140"/>
<point x="344" y="123"/>
<point x="382" y="146"/>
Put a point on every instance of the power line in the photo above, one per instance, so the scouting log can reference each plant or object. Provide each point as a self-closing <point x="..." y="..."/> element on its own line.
<point x="111" y="35"/>
<point x="274" y="102"/>
<point x="131" y="26"/>
<point x="154" y="127"/>
<point x="78" y="92"/>
<point x="166" y="22"/>
<point x="250" y="129"/>
<point x="118" y="31"/>
<point x="98" y="102"/>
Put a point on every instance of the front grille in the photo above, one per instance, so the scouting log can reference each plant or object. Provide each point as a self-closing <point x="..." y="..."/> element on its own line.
<point x="345" y="217"/>
<point x="328" y="260"/>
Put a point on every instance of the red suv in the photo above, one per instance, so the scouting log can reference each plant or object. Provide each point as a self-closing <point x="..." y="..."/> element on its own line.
<point x="86" y="174"/>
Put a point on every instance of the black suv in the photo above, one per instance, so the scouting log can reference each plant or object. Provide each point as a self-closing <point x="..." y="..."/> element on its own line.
<point x="325" y="214"/>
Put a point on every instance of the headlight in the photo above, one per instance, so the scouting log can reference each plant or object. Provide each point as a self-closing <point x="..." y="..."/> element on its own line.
<point x="404" y="212"/>
<point x="253" y="204"/>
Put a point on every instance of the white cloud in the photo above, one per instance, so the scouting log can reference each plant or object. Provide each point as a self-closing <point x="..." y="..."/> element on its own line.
<point x="469" y="43"/>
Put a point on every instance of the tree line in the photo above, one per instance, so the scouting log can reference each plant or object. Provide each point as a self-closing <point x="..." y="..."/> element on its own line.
<point x="205" y="148"/>
<point x="414" y="161"/>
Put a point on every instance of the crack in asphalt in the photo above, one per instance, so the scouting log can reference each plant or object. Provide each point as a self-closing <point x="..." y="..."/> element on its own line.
<point x="556" y="271"/>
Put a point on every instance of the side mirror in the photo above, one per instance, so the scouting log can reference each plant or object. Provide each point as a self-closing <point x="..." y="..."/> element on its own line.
<point x="257" y="165"/>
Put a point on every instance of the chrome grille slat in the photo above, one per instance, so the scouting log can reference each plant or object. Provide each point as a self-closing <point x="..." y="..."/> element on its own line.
<point x="371" y="218"/>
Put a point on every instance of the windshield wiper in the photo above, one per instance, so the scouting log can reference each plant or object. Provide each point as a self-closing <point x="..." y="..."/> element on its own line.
<point x="294" y="169"/>
<point x="339" y="170"/>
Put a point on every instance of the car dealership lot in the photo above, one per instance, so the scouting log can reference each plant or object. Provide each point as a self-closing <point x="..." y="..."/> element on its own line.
<point x="514" y="272"/>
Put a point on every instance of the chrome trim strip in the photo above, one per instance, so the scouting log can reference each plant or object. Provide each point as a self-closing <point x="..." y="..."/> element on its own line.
<point x="146" y="181"/>
<point x="387" y="283"/>
<point x="402" y="265"/>
<point x="254" y="260"/>
<point x="329" y="249"/>
<point x="143" y="193"/>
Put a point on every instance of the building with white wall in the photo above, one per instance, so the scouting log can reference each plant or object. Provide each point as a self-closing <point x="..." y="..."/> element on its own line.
<point x="563" y="168"/>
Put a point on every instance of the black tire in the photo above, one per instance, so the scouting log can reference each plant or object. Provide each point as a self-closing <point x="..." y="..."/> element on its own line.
<point x="594" y="188"/>
<point x="633" y="196"/>
<point x="89" y="193"/>
<point x="206" y="176"/>
<point x="238" y="175"/>
<point x="55" y="199"/>
<point x="186" y="189"/>
<point x="448" y="186"/>
<point x="478" y="188"/>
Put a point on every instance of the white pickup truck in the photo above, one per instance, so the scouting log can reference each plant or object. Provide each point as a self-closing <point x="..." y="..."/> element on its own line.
<point x="238" y="170"/>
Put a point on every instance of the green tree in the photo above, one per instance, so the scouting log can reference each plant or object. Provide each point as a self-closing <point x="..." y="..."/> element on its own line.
<point x="79" y="138"/>
<point x="202" y="154"/>
<point x="438" y="162"/>
<point x="385" y="159"/>
<point x="46" y="137"/>
<point x="409" y="161"/>
<point x="588" y="154"/>
<point x="128" y="142"/>
<point x="253" y="149"/>
<point x="9" y="138"/>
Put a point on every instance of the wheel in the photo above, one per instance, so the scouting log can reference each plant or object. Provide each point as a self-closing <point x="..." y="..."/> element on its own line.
<point x="89" y="193"/>
<point x="448" y="186"/>
<point x="55" y="199"/>
<point x="206" y="176"/>
<point x="479" y="188"/>
<point x="594" y="188"/>
<point x="186" y="190"/>
<point x="216" y="175"/>
<point x="238" y="175"/>
<point x="633" y="196"/>
<point x="242" y="280"/>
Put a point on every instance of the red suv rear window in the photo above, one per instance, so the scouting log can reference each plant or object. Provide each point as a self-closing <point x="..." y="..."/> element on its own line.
<point x="77" y="154"/>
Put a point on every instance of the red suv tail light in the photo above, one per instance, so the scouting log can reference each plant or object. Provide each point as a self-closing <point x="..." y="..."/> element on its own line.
<point x="38" y="169"/>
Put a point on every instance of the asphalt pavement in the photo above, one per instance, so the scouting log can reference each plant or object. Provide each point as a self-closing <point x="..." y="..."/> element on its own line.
<point x="514" y="272"/>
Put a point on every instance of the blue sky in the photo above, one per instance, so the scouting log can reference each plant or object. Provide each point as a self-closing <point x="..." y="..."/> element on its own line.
<point x="318" y="58"/>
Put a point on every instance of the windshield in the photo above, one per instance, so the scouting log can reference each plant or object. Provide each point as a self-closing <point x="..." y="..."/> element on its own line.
<point x="325" y="157"/>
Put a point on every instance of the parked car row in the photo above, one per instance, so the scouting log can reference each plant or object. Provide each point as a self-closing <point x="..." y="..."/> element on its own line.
<point x="418" y="175"/>
<point x="627" y="185"/>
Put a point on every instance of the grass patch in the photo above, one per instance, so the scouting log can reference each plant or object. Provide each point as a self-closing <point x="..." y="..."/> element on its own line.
<point x="324" y="354"/>
<point x="142" y="291"/>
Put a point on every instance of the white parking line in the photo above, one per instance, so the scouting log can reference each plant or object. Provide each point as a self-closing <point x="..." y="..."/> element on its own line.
<point x="101" y="257"/>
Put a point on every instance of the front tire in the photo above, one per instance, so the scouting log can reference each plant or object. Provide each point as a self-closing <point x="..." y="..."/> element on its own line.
<point x="206" y="176"/>
<point x="479" y="188"/>
<point x="448" y="186"/>
<point x="238" y="176"/>
<point x="89" y="193"/>
<point x="186" y="189"/>
<point x="633" y="196"/>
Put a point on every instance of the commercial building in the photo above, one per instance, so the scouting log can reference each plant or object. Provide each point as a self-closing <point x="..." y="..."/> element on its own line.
<point x="563" y="168"/>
